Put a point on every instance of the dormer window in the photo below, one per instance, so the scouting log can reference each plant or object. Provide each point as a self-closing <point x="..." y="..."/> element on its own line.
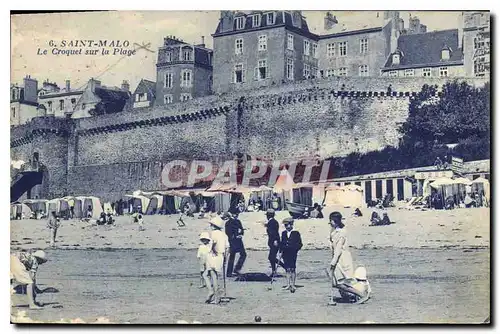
<point x="255" y="21"/>
<point x="445" y="54"/>
<point x="187" y="55"/>
<point x="240" y="23"/>
<point x="270" y="18"/>
<point x="168" y="56"/>
<point x="396" y="59"/>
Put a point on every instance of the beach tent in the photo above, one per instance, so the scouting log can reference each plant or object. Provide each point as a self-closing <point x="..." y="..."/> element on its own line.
<point x="20" y="210"/>
<point x="155" y="204"/>
<point x="283" y="186"/>
<point x="54" y="205"/>
<point x="463" y="180"/>
<point x="346" y="196"/>
<point x="139" y="200"/>
<point x="37" y="205"/>
<point x="83" y="202"/>
<point x="481" y="184"/>
<point x="107" y="206"/>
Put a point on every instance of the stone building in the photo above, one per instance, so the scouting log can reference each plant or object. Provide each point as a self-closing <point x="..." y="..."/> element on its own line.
<point x="262" y="48"/>
<point x="56" y="101"/>
<point x="476" y="41"/>
<point x="97" y="99"/>
<point x="145" y="94"/>
<point x="23" y="101"/>
<point x="431" y="54"/>
<point x="183" y="71"/>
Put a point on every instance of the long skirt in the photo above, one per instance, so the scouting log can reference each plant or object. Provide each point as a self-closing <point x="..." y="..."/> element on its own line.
<point x="18" y="271"/>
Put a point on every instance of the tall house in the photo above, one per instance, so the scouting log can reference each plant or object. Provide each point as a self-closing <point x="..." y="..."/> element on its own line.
<point x="262" y="48"/>
<point x="183" y="71"/>
<point x="23" y="101"/>
<point x="56" y="101"/>
<point x="359" y="48"/>
<point x="476" y="43"/>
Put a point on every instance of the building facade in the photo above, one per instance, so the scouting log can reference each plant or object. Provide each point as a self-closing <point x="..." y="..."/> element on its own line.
<point x="476" y="41"/>
<point x="183" y="71"/>
<point x="262" y="48"/>
<point x="58" y="102"/>
<point x="23" y="101"/>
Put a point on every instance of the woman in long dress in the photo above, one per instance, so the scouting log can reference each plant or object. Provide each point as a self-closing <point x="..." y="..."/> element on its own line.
<point x="341" y="267"/>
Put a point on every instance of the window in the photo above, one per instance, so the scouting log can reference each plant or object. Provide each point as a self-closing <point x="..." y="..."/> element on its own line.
<point x="343" y="48"/>
<point x="240" y="23"/>
<point x="307" y="71"/>
<point x="42" y="93"/>
<point x="262" y="42"/>
<point x="363" y="45"/>
<point x="261" y="71"/>
<point x="315" y="50"/>
<point x="289" y="44"/>
<point x="395" y="59"/>
<point x="238" y="73"/>
<point x="186" y="78"/>
<point x="169" y="80"/>
<point x="443" y="71"/>
<point x="342" y="71"/>
<point x="141" y="97"/>
<point x="61" y="104"/>
<point x="256" y="21"/>
<point x="409" y="73"/>
<point x="73" y="102"/>
<point x="363" y="71"/>
<point x="168" y="56"/>
<point x="168" y="98"/>
<point x="187" y="55"/>
<point x="185" y="97"/>
<point x="270" y="18"/>
<point x="238" y="46"/>
<point x="330" y="72"/>
<point x="289" y="68"/>
<point x="445" y="54"/>
<point x="330" y="50"/>
<point x="314" y="72"/>
<point x="49" y="106"/>
<point x="393" y="73"/>
<point x="13" y="109"/>
<point x="307" y="48"/>
<point x="426" y="72"/>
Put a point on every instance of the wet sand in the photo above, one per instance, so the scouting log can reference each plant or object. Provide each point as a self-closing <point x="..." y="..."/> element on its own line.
<point x="161" y="286"/>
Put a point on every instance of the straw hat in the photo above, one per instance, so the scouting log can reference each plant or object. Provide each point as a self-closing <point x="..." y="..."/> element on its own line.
<point x="360" y="273"/>
<point x="205" y="235"/>
<point x="287" y="221"/>
<point x="217" y="222"/>
<point x="40" y="254"/>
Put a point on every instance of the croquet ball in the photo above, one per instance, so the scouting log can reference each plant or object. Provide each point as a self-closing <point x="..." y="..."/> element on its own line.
<point x="258" y="318"/>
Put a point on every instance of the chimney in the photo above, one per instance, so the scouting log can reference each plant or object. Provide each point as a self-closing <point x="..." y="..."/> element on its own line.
<point x="461" y="30"/>
<point x="125" y="86"/>
<point x="68" y="85"/>
<point x="93" y="83"/>
<point x="30" y="89"/>
<point x="330" y="21"/>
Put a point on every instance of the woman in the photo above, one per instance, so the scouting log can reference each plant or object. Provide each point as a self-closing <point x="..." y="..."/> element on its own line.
<point x="341" y="266"/>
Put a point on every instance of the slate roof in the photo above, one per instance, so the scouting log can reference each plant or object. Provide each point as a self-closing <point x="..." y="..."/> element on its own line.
<point x="150" y="85"/>
<point x="112" y="100"/>
<point x="421" y="50"/>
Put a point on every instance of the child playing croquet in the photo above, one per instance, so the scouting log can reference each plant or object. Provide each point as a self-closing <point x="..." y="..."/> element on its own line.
<point x="203" y="251"/>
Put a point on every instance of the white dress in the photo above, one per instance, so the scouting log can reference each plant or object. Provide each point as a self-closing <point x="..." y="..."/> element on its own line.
<point x="344" y="268"/>
<point x="215" y="259"/>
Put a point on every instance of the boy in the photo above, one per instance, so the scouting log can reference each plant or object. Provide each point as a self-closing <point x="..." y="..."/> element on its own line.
<point x="23" y="269"/>
<point x="290" y="245"/>
<point x="53" y="224"/>
<point x="203" y="251"/>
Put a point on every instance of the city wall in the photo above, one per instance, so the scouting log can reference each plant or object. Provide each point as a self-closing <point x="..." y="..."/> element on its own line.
<point x="111" y="155"/>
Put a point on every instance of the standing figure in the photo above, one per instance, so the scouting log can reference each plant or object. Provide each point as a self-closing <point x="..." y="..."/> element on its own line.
<point x="273" y="239"/>
<point x="203" y="251"/>
<point x="89" y="212"/>
<point x="341" y="266"/>
<point x="234" y="232"/>
<point x="216" y="259"/>
<point x="53" y="224"/>
<point x="290" y="245"/>
<point x="23" y="269"/>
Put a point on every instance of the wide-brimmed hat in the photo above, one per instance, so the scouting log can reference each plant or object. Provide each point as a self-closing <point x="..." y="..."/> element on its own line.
<point x="287" y="221"/>
<point x="41" y="255"/>
<point x="205" y="235"/>
<point x="217" y="222"/>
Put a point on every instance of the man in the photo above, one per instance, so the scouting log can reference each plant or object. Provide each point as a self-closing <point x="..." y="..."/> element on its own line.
<point x="234" y="232"/>
<point x="273" y="239"/>
<point x="23" y="269"/>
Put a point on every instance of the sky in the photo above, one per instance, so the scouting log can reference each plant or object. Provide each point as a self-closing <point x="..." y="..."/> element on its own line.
<point x="34" y="31"/>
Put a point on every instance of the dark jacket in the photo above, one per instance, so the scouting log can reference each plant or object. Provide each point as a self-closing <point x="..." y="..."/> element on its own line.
<point x="234" y="229"/>
<point x="273" y="231"/>
<point x="294" y="244"/>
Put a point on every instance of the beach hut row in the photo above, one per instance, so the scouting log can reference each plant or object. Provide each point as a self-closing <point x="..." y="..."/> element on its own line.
<point x="61" y="206"/>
